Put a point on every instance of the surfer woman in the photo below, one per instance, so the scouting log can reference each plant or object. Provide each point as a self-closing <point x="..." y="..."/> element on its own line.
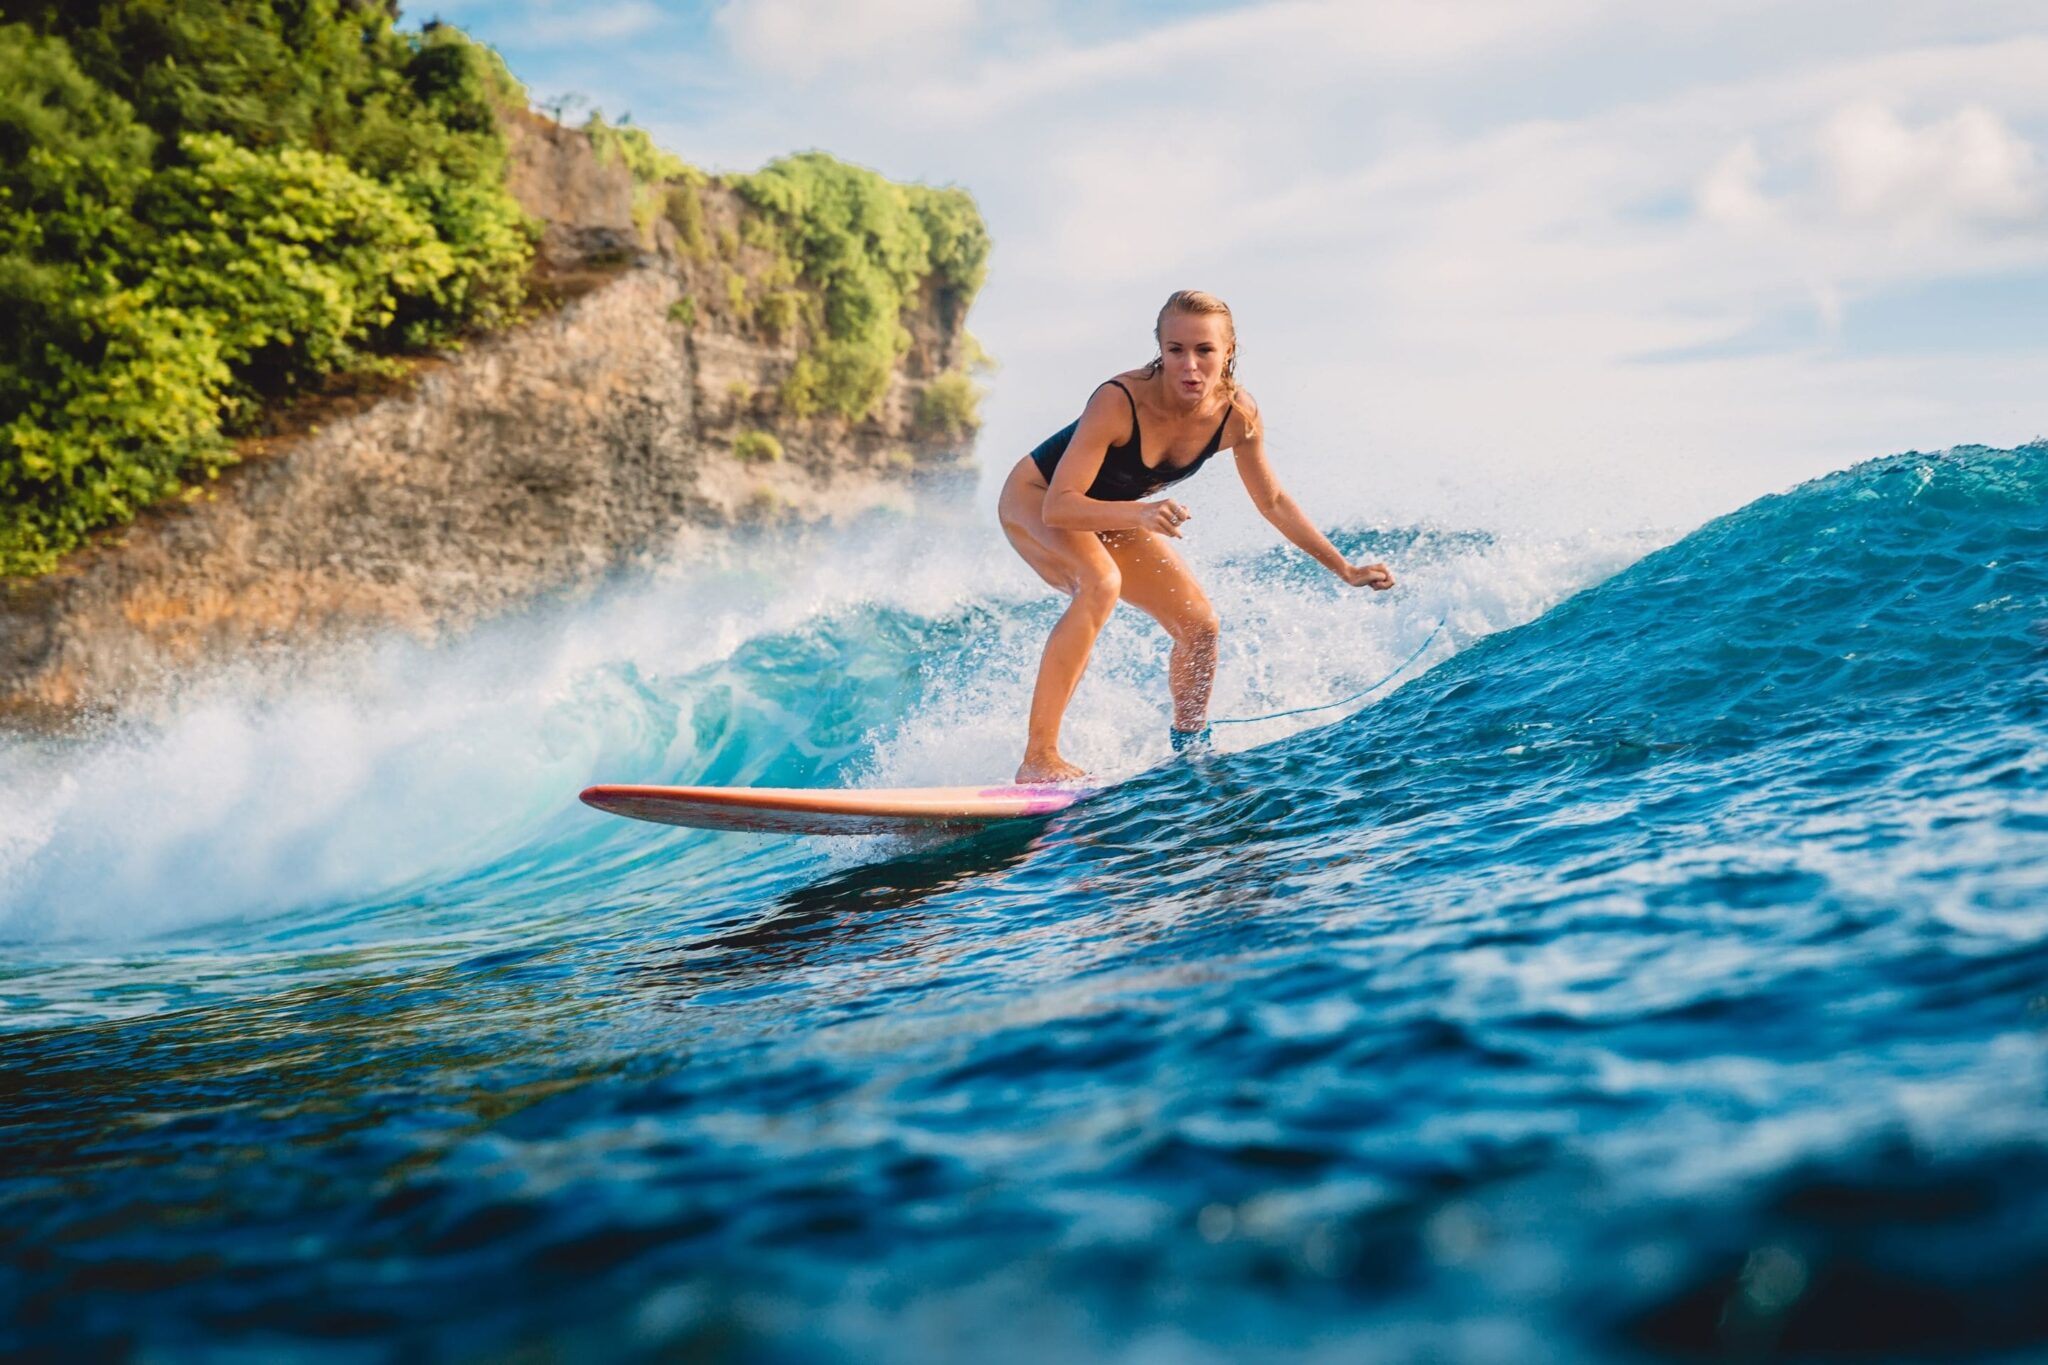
<point x="1074" y="509"/>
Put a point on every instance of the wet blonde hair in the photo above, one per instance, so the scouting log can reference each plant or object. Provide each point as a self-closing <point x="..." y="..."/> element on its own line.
<point x="1201" y="303"/>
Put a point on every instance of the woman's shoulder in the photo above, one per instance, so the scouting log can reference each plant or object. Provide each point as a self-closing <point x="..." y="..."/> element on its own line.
<point x="1127" y="382"/>
<point x="1118" y="394"/>
<point x="1109" y="410"/>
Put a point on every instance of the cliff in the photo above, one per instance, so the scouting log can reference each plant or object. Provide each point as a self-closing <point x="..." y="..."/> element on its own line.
<point x="533" y="462"/>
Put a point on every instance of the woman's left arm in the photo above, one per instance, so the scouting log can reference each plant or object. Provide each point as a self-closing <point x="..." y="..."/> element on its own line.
<point x="1278" y="507"/>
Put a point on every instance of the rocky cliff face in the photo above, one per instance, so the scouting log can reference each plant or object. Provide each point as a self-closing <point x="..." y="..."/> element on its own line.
<point x="534" y="462"/>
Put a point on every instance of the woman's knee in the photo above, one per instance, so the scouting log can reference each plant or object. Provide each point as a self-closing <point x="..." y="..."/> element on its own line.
<point x="1198" y="629"/>
<point x="1098" y="589"/>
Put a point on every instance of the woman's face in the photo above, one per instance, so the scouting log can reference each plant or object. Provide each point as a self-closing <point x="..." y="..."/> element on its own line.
<point x="1195" y="347"/>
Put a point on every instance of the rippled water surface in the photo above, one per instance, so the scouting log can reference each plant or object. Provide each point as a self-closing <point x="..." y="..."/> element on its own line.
<point x="1660" y="971"/>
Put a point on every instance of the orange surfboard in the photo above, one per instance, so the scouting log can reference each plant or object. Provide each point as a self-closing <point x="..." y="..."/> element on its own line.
<point x="818" y="810"/>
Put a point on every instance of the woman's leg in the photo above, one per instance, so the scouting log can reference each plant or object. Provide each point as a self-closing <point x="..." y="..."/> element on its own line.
<point x="1076" y="563"/>
<point x="1156" y="581"/>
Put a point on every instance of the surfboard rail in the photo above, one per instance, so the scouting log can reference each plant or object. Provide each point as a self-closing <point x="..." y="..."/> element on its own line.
<point x="821" y="810"/>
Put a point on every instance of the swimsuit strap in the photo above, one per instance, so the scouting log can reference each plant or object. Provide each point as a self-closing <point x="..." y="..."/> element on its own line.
<point x="1216" y="441"/>
<point x="1134" y="442"/>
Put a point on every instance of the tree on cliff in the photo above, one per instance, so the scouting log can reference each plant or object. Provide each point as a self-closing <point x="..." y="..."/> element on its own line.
<point x="207" y="204"/>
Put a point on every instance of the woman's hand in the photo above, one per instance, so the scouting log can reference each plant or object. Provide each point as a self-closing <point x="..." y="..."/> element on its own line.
<point x="1164" y="517"/>
<point x="1374" y="576"/>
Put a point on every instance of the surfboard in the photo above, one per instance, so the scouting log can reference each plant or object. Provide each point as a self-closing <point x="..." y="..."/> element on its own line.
<point x="820" y="810"/>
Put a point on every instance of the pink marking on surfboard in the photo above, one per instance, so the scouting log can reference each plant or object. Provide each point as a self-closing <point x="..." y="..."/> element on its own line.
<point x="1038" y="800"/>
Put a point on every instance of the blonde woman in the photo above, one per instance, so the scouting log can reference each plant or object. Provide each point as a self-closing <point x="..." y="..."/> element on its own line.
<point x="1077" y="510"/>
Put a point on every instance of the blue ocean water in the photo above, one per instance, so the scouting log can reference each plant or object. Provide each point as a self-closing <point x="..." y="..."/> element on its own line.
<point x="1659" y="971"/>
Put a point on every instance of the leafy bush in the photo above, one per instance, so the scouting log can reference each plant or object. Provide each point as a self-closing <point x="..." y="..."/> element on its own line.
<point x="844" y="377"/>
<point x="206" y="203"/>
<point x="72" y="157"/>
<point x="683" y="312"/>
<point x="111" y="433"/>
<point x="658" y="176"/>
<point x="951" y="405"/>
<point x="685" y="213"/>
<point x="974" y="357"/>
<point x="490" y="242"/>
<point x="779" y="311"/>
<point x="292" y="257"/>
<point x="959" y="239"/>
<point x="867" y="245"/>
<point x="757" y="447"/>
<point x="631" y="147"/>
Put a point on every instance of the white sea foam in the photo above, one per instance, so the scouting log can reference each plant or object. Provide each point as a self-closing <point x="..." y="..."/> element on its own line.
<point x="389" y="770"/>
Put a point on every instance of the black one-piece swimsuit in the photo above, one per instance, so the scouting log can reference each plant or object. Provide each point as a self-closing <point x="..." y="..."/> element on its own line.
<point x="1124" y="476"/>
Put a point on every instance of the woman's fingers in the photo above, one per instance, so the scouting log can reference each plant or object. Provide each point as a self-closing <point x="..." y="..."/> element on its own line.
<point x="1166" y="516"/>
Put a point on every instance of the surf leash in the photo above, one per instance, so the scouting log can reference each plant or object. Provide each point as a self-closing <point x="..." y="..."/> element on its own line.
<point x="1359" y="695"/>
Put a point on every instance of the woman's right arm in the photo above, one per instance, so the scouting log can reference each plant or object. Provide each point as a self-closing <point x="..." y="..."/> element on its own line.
<point x="1105" y="421"/>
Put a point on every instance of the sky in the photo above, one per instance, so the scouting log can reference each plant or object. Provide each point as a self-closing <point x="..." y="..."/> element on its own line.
<point x="1562" y="261"/>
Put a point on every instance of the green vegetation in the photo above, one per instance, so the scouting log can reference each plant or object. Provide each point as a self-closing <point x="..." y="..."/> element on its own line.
<point x="736" y="296"/>
<point x="778" y="311"/>
<point x="623" y="143"/>
<point x="664" y="185"/>
<point x="974" y="357"/>
<point x="208" y="204"/>
<point x="868" y="246"/>
<point x="685" y="213"/>
<point x="757" y="447"/>
<point x="951" y="406"/>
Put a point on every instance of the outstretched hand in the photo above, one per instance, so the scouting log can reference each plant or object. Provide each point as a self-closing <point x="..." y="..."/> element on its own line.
<point x="1374" y="576"/>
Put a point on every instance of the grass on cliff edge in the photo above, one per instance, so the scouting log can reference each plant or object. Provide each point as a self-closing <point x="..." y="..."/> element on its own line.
<point x="207" y="205"/>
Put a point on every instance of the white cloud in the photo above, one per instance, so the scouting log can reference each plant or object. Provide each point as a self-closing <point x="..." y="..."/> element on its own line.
<point x="1970" y="166"/>
<point x="1732" y="192"/>
<point x="802" y="39"/>
<point x="1229" y="59"/>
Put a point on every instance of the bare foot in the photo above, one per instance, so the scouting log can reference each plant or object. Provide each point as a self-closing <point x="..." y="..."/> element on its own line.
<point x="1047" y="768"/>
